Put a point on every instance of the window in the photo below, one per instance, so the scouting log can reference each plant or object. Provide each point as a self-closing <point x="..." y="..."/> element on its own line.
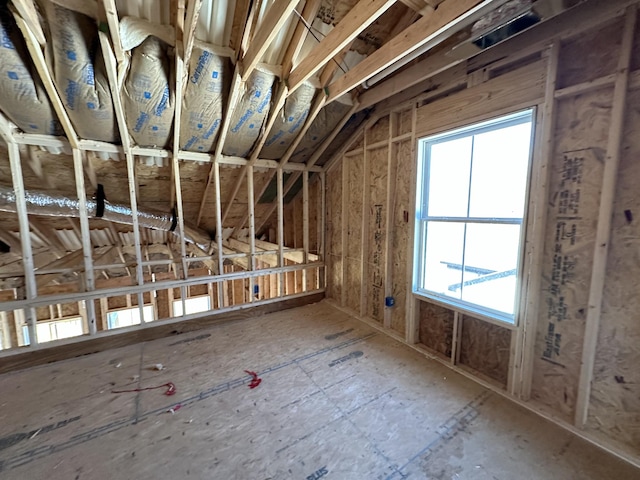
<point x="472" y="185"/>
<point x="55" y="330"/>
<point x="192" y="305"/>
<point x="129" y="316"/>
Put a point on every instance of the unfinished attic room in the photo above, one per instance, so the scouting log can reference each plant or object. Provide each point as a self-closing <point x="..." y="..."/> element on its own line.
<point x="320" y="239"/>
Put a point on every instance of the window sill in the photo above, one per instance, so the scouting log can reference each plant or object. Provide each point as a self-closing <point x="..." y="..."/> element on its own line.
<point x="475" y="313"/>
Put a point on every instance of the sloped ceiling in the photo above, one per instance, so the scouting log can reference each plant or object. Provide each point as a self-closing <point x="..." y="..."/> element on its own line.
<point x="260" y="83"/>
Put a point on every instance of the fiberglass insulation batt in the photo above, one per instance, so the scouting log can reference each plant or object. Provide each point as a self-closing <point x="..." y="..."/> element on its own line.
<point x="289" y="121"/>
<point x="149" y="102"/>
<point x="320" y="128"/>
<point x="80" y="74"/>
<point x="22" y="96"/>
<point x="249" y="114"/>
<point x="203" y="100"/>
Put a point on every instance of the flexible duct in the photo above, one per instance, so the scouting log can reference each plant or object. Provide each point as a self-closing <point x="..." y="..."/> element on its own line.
<point x="52" y="205"/>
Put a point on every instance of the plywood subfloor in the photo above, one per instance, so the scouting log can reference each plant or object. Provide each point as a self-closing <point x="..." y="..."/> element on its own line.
<point x="337" y="401"/>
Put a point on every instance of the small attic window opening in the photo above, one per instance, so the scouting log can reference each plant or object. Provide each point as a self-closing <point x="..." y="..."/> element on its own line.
<point x="506" y="30"/>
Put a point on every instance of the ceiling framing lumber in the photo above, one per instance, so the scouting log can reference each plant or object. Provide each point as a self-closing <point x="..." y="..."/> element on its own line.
<point x="448" y="18"/>
<point x="277" y="15"/>
<point x="363" y="14"/>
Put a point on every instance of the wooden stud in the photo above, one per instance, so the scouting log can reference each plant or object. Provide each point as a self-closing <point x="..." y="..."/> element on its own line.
<point x="269" y="28"/>
<point x="361" y="15"/>
<point x="25" y="240"/>
<point x="322" y="233"/>
<point x="412" y="312"/>
<point x="252" y="229"/>
<point x="308" y="14"/>
<point x="329" y="140"/>
<point x="280" y="206"/>
<point x="87" y="249"/>
<point x="28" y="11"/>
<point x="190" y="24"/>
<point x="389" y="228"/>
<point x="47" y="80"/>
<point x="111" y="12"/>
<point x="539" y="213"/>
<point x="364" y="237"/>
<point x="603" y="233"/>
<point x="305" y="225"/>
<point x="226" y="122"/>
<point x="448" y="18"/>
<point x="345" y="232"/>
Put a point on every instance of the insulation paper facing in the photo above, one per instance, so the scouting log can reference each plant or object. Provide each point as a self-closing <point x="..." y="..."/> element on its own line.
<point x="80" y="74"/>
<point x="249" y="114"/>
<point x="22" y="96"/>
<point x="289" y="121"/>
<point x="203" y="100"/>
<point x="148" y="99"/>
<point x="320" y="128"/>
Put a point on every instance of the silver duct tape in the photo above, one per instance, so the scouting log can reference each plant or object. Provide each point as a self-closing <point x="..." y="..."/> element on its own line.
<point x="51" y="205"/>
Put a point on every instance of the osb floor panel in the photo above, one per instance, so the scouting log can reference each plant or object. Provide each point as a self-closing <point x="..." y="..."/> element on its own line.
<point x="337" y="401"/>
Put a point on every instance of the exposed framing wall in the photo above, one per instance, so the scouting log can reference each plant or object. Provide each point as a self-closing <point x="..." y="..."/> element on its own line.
<point x="579" y="258"/>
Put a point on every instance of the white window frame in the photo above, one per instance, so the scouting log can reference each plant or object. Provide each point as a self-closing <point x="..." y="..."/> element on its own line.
<point x="40" y="325"/>
<point x="132" y="310"/>
<point x="178" y="303"/>
<point x="421" y="217"/>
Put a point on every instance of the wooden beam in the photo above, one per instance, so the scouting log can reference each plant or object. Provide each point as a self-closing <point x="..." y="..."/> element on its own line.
<point x="111" y="12"/>
<point x="280" y="207"/>
<point x="28" y="11"/>
<point x="363" y="14"/>
<point x="313" y="113"/>
<point x="47" y="79"/>
<point x="605" y="214"/>
<point x="25" y="237"/>
<point x="231" y="104"/>
<point x="448" y="18"/>
<point x="277" y="15"/>
<point x="48" y="236"/>
<point x="309" y="12"/>
<point x="189" y="24"/>
<point x="329" y="140"/>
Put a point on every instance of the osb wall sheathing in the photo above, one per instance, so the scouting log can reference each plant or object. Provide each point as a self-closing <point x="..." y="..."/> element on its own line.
<point x="574" y="197"/>
<point x="615" y="396"/>
<point x="435" y="329"/>
<point x="353" y="168"/>
<point x="578" y="155"/>
<point x="334" y="232"/>
<point x="401" y="227"/>
<point x="376" y="210"/>
<point x="484" y="347"/>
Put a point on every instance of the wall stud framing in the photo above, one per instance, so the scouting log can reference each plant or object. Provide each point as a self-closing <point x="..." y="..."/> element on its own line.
<point x="539" y="213"/>
<point x="25" y="240"/>
<point x="87" y="249"/>
<point x="605" y="214"/>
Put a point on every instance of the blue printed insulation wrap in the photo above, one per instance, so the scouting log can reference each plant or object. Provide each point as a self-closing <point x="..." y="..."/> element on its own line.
<point x="289" y="121"/>
<point x="22" y="96"/>
<point x="149" y="101"/>
<point x="80" y="74"/>
<point x="204" y="99"/>
<point x="249" y="114"/>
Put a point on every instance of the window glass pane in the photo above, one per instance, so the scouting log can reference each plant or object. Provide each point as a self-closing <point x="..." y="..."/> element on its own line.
<point x="192" y="305"/>
<point x="499" y="172"/>
<point x="491" y="261"/>
<point x="129" y="316"/>
<point x="443" y="258"/>
<point x="449" y="164"/>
